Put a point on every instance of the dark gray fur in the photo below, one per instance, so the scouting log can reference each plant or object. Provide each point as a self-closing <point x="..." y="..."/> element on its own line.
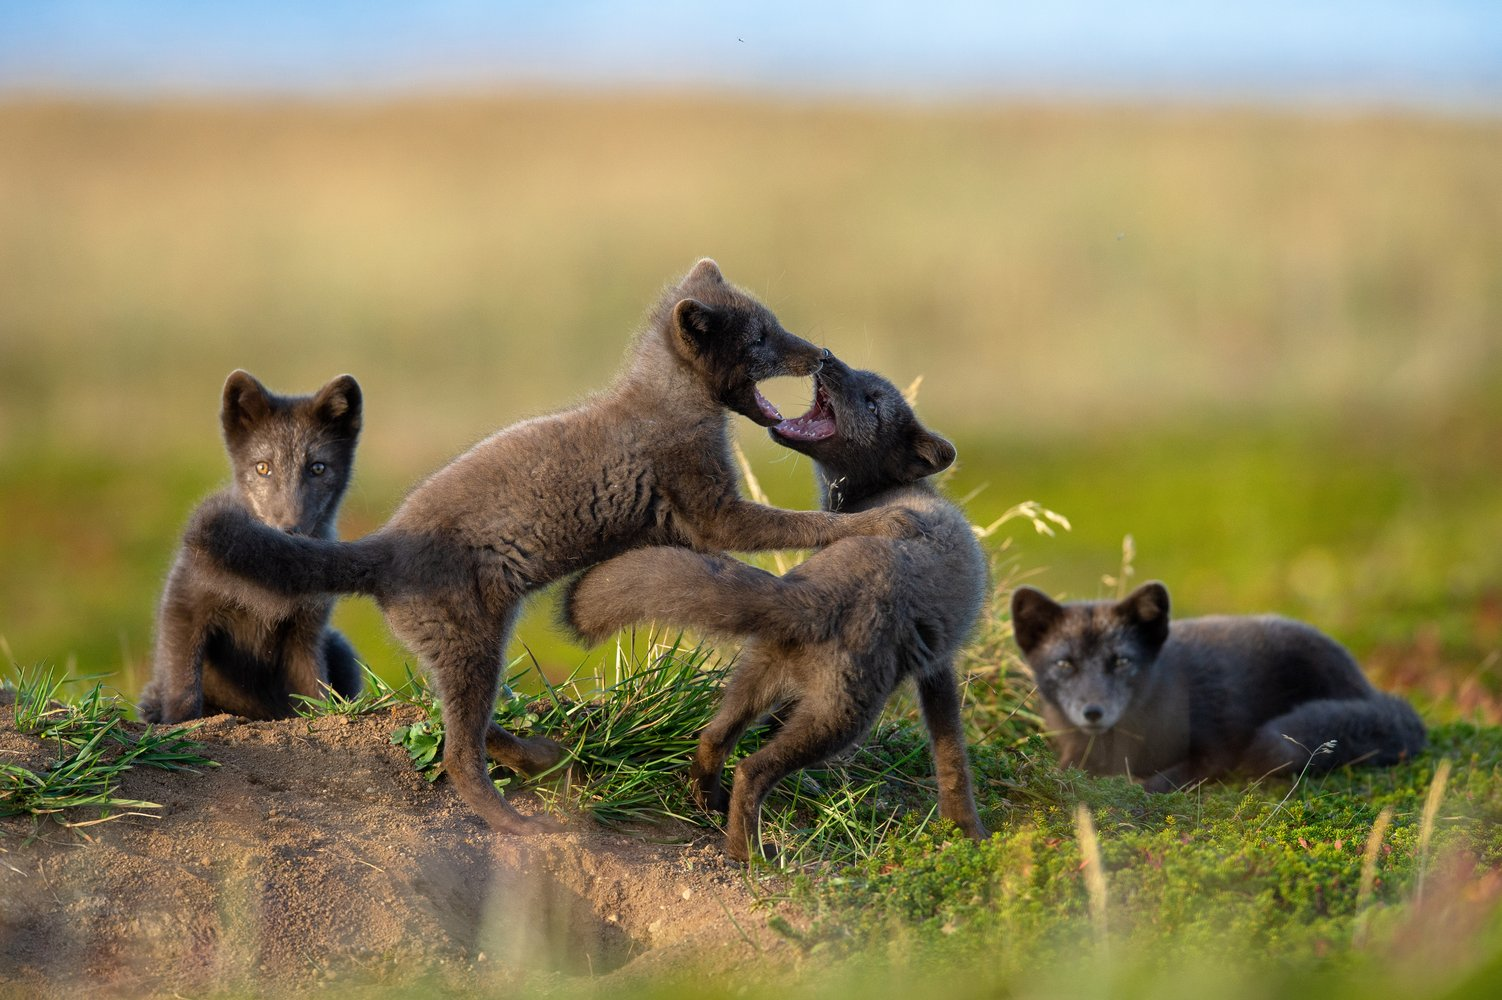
<point x="1125" y="692"/>
<point x="646" y="462"/>
<point x="829" y="641"/>
<point x="243" y="649"/>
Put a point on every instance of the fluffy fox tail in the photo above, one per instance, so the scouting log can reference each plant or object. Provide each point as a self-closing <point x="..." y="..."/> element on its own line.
<point x="674" y="586"/>
<point x="1380" y="730"/>
<point x="293" y="565"/>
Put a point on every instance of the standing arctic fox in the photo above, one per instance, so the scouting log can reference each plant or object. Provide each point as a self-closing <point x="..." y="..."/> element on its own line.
<point x="249" y="650"/>
<point x="646" y="462"/>
<point x="1126" y="693"/>
<point x="830" y="640"/>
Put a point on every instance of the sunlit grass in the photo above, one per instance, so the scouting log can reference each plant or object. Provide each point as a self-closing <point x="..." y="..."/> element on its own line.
<point x="1362" y="879"/>
<point x="78" y="785"/>
<point x="631" y="732"/>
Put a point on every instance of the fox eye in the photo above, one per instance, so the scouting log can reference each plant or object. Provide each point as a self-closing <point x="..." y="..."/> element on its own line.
<point x="872" y="404"/>
<point x="317" y="468"/>
<point x="1122" y="663"/>
<point x="1065" y="667"/>
<point x="263" y="468"/>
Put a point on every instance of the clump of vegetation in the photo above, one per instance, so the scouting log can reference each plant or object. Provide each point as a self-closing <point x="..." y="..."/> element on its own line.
<point x="1360" y="882"/>
<point x="93" y="749"/>
<point x="631" y="736"/>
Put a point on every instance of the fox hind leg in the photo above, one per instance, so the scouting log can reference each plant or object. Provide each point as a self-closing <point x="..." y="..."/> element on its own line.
<point x="463" y="653"/>
<point x="750" y="694"/>
<point x="939" y="698"/>
<point x="807" y="738"/>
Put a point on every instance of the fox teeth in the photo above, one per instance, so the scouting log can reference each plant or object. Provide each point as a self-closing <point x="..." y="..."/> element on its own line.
<point x="766" y="404"/>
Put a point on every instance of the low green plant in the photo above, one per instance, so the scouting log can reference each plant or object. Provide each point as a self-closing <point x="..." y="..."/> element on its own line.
<point x="630" y="738"/>
<point x="1288" y="881"/>
<point x="423" y="739"/>
<point x="94" y="749"/>
<point x="376" y="695"/>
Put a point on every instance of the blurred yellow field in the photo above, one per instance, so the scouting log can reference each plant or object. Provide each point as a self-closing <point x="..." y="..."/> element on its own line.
<point x="476" y="261"/>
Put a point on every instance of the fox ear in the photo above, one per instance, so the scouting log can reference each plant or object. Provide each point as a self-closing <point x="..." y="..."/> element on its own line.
<point x="1146" y="608"/>
<point x="246" y="403"/>
<point x="705" y="270"/>
<point x="931" y="454"/>
<point x="694" y="327"/>
<point x="340" y="404"/>
<point x="1034" y="614"/>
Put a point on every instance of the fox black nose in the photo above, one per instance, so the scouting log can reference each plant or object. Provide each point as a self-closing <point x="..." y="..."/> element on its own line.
<point x="1093" y="713"/>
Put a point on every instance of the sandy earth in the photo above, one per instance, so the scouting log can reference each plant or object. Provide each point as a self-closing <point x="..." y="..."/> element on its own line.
<point x="315" y="855"/>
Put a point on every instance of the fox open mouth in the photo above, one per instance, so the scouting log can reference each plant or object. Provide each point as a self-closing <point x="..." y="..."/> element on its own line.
<point x="818" y="424"/>
<point x="771" y="413"/>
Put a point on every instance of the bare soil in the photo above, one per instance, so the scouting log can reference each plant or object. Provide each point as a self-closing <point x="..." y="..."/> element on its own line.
<point x="316" y="855"/>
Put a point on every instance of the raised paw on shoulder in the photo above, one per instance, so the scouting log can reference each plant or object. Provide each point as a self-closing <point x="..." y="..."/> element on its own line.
<point x="895" y="522"/>
<point x="214" y="529"/>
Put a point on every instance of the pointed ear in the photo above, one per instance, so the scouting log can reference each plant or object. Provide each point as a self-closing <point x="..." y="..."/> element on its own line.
<point x="705" y="270"/>
<point x="931" y="454"/>
<point x="246" y="403"/>
<point x="1034" y="614"/>
<point x="1146" y="609"/>
<point x="694" y="327"/>
<point x="339" y="405"/>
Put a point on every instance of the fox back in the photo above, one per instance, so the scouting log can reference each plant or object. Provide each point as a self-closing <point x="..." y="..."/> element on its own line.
<point x="1126" y="692"/>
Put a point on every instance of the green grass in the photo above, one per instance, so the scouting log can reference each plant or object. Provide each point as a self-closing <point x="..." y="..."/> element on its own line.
<point x="630" y="735"/>
<point x="1367" y="530"/>
<point x="92" y="750"/>
<point x="1358" y="881"/>
<point x="1254" y="889"/>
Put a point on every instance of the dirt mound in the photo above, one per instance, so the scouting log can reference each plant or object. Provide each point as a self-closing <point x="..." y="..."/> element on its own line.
<point x="315" y="852"/>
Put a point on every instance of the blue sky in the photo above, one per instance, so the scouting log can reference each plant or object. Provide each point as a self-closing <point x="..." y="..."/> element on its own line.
<point x="1446" y="53"/>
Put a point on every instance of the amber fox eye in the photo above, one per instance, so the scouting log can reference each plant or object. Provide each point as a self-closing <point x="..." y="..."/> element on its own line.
<point x="1123" y="663"/>
<point x="318" y="468"/>
<point x="1064" y="667"/>
<point x="263" y="468"/>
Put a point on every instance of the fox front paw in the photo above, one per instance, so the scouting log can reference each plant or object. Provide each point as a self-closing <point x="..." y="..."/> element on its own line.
<point x="156" y="708"/>
<point x="213" y="530"/>
<point x="894" y="522"/>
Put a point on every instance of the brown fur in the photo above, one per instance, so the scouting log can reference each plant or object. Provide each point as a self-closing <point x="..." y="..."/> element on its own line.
<point x="248" y="650"/>
<point x="646" y="462"/>
<point x="1125" y="692"/>
<point x="830" y="641"/>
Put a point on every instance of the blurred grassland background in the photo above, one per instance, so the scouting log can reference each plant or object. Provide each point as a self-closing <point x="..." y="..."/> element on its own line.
<point x="1268" y="346"/>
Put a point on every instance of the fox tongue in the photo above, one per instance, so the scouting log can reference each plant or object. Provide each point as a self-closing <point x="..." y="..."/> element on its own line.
<point x="804" y="429"/>
<point x="765" y="405"/>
